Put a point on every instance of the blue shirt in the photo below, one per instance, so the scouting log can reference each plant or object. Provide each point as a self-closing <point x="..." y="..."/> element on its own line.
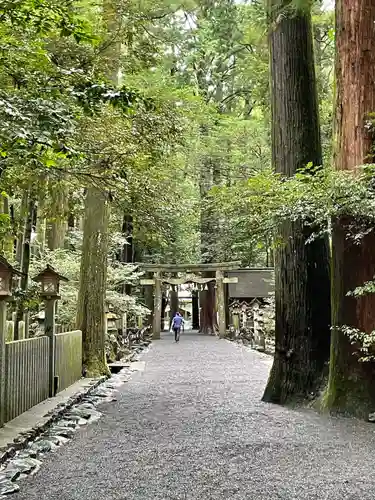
<point x="177" y="321"/>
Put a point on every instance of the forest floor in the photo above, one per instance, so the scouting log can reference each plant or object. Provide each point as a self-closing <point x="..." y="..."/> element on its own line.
<point x="191" y="426"/>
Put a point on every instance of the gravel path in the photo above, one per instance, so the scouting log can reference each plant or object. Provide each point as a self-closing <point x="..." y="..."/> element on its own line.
<point x="191" y="426"/>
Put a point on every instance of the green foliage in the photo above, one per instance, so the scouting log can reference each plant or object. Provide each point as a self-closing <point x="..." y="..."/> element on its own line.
<point x="185" y="133"/>
<point x="67" y="262"/>
<point x="364" y="343"/>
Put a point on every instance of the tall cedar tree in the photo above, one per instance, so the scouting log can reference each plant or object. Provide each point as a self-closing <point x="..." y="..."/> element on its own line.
<point x="93" y="276"/>
<point x="302" y="275"/>
<point x="93" y="273"/>
<point x="351" y="383"/>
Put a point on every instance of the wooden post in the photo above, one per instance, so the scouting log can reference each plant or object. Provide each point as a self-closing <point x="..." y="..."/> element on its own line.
<point x="49" y="330"/>
<point x="173" y="304"/>
<point x="157" y="307"/>
<point x="220" y="303"/>
<point x="3" y="318"/>
<point x="236" y="322"/>
<point x="258" y="331"/>
<point x="195" y="310"/>
<point x="163" y="308"/>
<point x="26" y="318"/>
<point x="9" y="333"/>
<point x="21" y="330"/>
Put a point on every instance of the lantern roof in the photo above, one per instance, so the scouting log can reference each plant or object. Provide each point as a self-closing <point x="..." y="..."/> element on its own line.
<point x="111" y="315"/>
<point x="7" y="265"/>
<point x="255" y="302"/>
<point x="48" y="272"/>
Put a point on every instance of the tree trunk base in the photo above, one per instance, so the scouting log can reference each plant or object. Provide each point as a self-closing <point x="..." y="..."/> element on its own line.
<point x="302" y="315"/>
<point x="96" y="368"/>
<point x="351" y="388"/>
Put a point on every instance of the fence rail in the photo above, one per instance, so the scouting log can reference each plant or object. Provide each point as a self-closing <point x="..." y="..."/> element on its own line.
<point x="68" y="358"/>
<point x="26" y="375"/>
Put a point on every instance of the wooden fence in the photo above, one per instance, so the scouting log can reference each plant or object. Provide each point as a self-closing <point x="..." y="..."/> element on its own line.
<point x="26" y="375"/>
<point x="27" y="370"/>
<point x="68" y="358"/>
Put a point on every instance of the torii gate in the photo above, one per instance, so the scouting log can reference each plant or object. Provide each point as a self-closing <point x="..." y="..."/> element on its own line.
<point x="158" y="279"/>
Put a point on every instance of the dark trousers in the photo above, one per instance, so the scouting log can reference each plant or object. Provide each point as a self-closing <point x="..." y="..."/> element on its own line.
<point x="177" y="333"/>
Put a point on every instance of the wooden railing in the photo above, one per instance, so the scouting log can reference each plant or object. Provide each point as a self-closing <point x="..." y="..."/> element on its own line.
<point x="26" y="375"/>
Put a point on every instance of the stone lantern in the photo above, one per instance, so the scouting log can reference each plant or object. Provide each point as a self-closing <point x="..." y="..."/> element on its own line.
<point x="7" y="272"/>
<point x="50" y="282"/>
<point x="111" y="322"/>
<point x="236" y="312"/>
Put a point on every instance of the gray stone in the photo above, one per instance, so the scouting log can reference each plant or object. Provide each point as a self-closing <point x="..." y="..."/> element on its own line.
<point x="103" y="393"/>
<point x="3" y="455"/>
<point x="110" y="386"/>
<point x="25" y="465"/>
<point x="11" y="473"/>
<point x="7" y="487"/>
<point x="11" y="452"/>
<point x="76" y="419"/>
<point x="86" y="413"/>
<point x="95" y="400"/>
<point x="41" y="446"/>
<point x="20" y="441"/>
<point x="87" y="405"/>
<point x="28" y="453"/>
<point x="68" y="423"/>
<point x="66" y="432"/>
<point x="56" y="440"/>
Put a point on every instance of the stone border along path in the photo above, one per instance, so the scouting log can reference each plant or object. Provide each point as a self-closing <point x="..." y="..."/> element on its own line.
<point x="19" y="432"/>
<point x="191" y="426"/>
<point x="66" y="420"/>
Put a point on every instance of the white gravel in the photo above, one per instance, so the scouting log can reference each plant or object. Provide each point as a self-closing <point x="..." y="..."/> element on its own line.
<point x="192" y="426"/>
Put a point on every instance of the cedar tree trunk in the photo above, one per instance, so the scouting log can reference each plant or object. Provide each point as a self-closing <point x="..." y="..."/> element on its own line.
<point x="93" y="276"/>
<point x="351" y="387"/>
<point x="302" y="286"/>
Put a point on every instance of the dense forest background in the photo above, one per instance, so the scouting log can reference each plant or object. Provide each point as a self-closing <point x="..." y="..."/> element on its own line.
<point x="194" y="131"/>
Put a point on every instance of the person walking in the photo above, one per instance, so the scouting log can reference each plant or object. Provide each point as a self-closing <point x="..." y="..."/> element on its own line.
<point x="177" y="323"/>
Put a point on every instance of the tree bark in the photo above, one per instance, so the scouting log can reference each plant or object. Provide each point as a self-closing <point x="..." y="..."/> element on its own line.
<point x="56" y="231"/>
<point x="350" y="387"/>
<point x="57" y="228"/>
<point x="93" y="275"/>
<point x="207" y="300"/>
<point x="208" y="322"/>
<point x="40" y="239"/>
<point x="25" y="265"/>
<point x="301" y="270"/>
<point x="127" y="249"/>
<point x="149" y="299"/>
<point x="7" y="242"/>
<point x="21" y="228"/>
